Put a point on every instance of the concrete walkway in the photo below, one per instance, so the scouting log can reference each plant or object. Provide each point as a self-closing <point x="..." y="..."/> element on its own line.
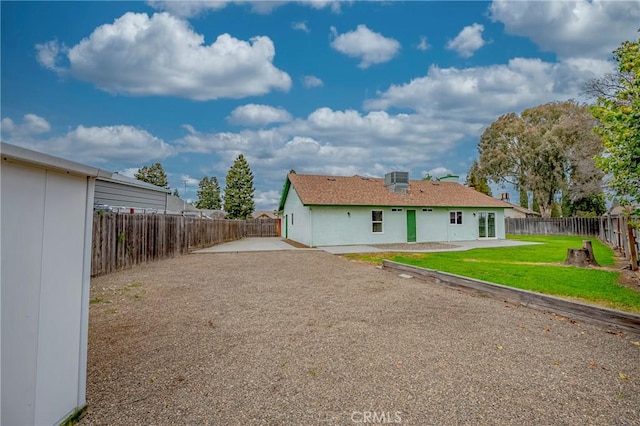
<point x="250" y="244"/>
<point x="277" y="244"/>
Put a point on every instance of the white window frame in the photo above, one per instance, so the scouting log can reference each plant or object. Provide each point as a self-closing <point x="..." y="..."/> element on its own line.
<point x="374" y="222"/>
<point x="456" y="216"/>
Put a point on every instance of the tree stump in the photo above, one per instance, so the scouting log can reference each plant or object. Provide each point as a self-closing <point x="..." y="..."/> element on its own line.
<point x="581" y="257"/>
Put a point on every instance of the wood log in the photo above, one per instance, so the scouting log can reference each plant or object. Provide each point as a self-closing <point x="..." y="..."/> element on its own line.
<point x="588" y="247"/>
<point x="577" y="257"/>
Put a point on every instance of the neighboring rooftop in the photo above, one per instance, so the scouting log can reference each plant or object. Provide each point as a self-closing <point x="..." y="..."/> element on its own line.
<point x="366" y="191"/>
<point x="117" y="177"/>
<point x="524" y="210"/>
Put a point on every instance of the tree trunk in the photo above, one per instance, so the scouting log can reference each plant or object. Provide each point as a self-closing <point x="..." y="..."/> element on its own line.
<point x="581" y="257"/>
<point x="586" y="245"/>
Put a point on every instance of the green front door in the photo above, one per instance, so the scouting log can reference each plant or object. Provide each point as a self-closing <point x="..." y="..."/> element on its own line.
<point x="411" y="226"/>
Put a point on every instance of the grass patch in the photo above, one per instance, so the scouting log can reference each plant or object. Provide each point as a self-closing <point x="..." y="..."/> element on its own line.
<point x="96" y="300"/>
<point x="534" y="267"/>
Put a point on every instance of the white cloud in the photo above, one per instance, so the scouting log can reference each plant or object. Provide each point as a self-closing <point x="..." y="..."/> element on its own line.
<point x="191" y="8"/>
<point x="423" y="45"/>
<point x="267" y="198"/>
<point x="162" y="55"/>
<point x="582" y="28"/>
<point x="91" y="145"/>
<point x="311" y="81"/>
<point x="258" y="115"/>
<point x="371" y="47"/>
<point x="186" y="9"/>
<point x="301" y="26"/>
<point x="190" y="181"/>
<point x="481" y="94"/>
<point x="48" y="54"/>
<point x="31" y="125"/>
<point x="438" y="172"/>
<point x="468" y="41"/>
<point x="129" y="172"/>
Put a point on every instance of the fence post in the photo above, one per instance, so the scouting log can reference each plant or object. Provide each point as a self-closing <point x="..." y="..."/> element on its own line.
<point x="632" y="248"/>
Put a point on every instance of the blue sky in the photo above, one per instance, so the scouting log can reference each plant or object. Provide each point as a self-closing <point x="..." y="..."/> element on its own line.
<point x="321" y="87"/>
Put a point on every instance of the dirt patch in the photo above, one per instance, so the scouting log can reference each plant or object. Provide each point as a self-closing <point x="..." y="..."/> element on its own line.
<point x="295" y="244"/>
<point x="305" y="337"/>
<point x="628" y="278"/>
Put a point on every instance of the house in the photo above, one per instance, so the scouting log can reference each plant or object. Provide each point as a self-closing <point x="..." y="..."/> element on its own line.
<point x="123" y="194"/>
<point x="520" y="212"/>
<point x="263" y="215"/>
<point x="176" y="205"/>
<point x="337" y="210"/>
<point x="47" y="211"/>
<point x="517" y="211"/>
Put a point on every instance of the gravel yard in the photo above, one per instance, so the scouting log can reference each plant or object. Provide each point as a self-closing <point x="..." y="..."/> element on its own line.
<point x="305" y="337"/>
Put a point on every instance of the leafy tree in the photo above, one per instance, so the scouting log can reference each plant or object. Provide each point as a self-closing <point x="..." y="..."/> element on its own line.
<point x="175" y="192"/>
<point x="238" y="194"/>
<point x="535" y="206"/>
<point x="618" y="114"/>
<point x="427" y="176"/>
<point x="209" y="194"/>
<point x="477" y="180"/>
<point x="154" y="175"/>
<point x="591" y="206"/>
<point x="524" y="198"/>
<point x="543" y="150"/>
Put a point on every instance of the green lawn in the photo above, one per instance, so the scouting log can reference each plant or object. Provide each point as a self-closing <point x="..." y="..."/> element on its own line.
<point x="533" y="267"/>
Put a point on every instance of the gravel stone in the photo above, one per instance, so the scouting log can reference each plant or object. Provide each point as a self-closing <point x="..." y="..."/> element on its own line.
<point x="309" y="338"/>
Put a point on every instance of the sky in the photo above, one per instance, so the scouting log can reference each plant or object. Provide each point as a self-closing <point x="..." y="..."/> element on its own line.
<point x="320" y="87"/>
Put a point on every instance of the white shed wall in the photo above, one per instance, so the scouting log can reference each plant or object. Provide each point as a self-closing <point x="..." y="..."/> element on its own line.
<point x="45" y="284"/>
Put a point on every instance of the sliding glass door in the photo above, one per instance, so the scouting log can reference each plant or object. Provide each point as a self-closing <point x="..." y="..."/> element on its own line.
<point x="486" y="225"/>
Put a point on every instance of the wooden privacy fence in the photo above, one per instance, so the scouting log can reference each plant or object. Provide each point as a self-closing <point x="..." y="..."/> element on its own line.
<point x="121" y="241"/>
<point x="261" y="228"/>
<point x="553" y="226"/>
<point x="615" y="230"/>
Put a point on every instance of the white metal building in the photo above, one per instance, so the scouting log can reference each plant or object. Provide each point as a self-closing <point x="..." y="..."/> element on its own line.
<point x="46" y="216"/>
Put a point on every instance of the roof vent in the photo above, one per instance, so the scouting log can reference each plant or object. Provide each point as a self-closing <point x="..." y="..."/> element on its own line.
<point x="397" y="182"/>
<point x="448" y="178"/>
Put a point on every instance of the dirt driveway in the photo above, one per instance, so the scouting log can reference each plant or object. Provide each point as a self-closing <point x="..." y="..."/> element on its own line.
<point x="309" y="338"/>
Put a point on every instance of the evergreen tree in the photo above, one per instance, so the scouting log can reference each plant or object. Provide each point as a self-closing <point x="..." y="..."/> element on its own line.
<point x="154" y="175"/>
<point x="476" y="180"/>
<point x="238" y="194"/>
<point x="209" y="194"/>
<point x="175" y="193"/>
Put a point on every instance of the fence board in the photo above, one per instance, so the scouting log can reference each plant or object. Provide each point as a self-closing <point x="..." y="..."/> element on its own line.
<point x="588" y="226"/>
<point x="121" y="241"/>
<point x="612" y="230"/>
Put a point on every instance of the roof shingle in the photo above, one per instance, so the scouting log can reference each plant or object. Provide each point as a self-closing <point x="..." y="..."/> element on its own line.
<point x="365" y="191"/>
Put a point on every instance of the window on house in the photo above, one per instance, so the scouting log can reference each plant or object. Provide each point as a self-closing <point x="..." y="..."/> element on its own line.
<point x="376" y="221"/>
<point x="455" y="218"/>
<point x="291" y="218"/>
